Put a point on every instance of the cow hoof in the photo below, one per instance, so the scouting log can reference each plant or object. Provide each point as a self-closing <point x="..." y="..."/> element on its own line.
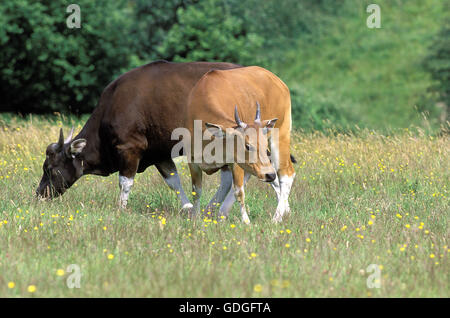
<point x="186" y="208"/>
<point x="246" y="221"/>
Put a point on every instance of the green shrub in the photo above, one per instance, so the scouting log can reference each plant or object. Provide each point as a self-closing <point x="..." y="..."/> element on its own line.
<point x="206" y="31"/>
<point x="152" y="20"/>
<point x="45" y="66"/>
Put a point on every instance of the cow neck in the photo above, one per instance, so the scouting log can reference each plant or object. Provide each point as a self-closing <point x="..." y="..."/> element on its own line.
<point x="91" y="155"/>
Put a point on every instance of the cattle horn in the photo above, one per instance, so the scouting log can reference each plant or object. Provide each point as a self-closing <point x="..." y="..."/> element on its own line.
<point x="237" y="119"/>
<point x="61" y="138"/>
<point x="69" y="138"/>
<point x="258" y="113"/>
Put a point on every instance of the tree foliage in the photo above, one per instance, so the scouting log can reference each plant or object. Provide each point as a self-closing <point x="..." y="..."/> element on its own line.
<point x="318" y="47"/>
<point x="208" y="31"/>
<point x="45" y="66"/>
<point x="152" y="20"/>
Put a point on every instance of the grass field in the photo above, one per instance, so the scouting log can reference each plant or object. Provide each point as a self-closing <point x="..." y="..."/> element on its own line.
<point x="357" y="200"/>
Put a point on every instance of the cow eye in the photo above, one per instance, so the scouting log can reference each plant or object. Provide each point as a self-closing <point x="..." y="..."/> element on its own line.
<point x="249" y="147"/>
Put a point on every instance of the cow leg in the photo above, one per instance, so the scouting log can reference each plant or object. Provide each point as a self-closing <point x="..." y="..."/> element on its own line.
<point x="238" y="184"/>
<point x="281" y="160"/>
<point x="196" y="175"/>
<point x="227" y="204"/>
<point x="127" y="173"/>
<point x="128" y="165"/>
<point x="169" y="172"/>
<point x="276" y="186"/>
<point x="283" y="203"/>
<point x="226" y="180"/>
<point x="125" y="184"/>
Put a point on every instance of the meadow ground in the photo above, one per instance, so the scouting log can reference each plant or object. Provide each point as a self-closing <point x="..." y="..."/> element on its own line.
<point x="357" y="200"/>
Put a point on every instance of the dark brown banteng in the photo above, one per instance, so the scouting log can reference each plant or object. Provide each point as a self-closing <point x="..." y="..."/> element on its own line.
<point x="129" y="130"/>
<point x="235" y="105"/>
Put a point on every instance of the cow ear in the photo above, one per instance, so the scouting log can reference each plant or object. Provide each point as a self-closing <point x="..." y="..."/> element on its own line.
<point x="77" y="146"/>
<point x="216" y="130"/>
<point x="268" y="124"/>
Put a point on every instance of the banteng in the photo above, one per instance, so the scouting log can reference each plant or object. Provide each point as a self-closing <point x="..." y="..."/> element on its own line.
<point x="129" y="130"/>
<point x="247" y="106"/>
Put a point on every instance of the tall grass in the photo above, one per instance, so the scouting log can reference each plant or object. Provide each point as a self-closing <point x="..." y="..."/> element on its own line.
<point x="358" y="199"/>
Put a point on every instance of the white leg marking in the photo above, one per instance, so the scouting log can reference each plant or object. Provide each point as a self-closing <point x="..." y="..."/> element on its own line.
<point x="237" y="193"/>
<point x="187" y="206"/>
<point x="125" y="185"/>
<point x="283" y="203"/>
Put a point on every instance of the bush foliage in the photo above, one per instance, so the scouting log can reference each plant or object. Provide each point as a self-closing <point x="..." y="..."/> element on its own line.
<point x="208" y="32"/>
<point x="320" y="48"/>
<point x="45" y="66"/>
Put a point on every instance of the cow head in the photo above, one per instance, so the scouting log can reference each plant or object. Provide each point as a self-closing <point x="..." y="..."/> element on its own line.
<point x="62" y="166"/>
<point x="251" y="147"/>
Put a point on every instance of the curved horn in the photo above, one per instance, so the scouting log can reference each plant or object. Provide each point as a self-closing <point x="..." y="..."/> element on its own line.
<point x="237" y="119"/>
<point x="69" y="138"/>
<point x="61" y="138"/>
<point x="258" y="113"/>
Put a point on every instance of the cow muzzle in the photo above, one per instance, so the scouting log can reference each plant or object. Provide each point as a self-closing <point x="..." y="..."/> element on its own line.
<point x="270" y="177"/>
<point x="46" y="192"/>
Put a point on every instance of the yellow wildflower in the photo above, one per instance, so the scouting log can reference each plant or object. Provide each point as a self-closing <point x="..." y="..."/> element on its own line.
<point x="31" y="288"/>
